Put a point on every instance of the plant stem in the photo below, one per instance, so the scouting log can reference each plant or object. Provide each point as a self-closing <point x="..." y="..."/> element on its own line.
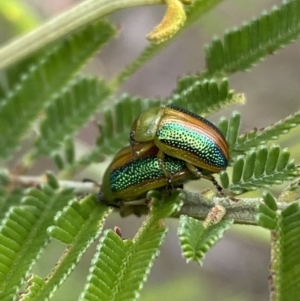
<point x="242" y="210"/>
<point x="196" y="205"/>
<point x="80" y="188"/>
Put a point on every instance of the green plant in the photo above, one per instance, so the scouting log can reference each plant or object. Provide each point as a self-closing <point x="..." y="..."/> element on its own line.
<point x="44" y="86"/>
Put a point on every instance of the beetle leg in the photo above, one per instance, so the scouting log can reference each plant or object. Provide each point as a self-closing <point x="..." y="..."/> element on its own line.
<point x="160" y="159"/>
<point x="169" y="186"/>
<point x="194" y="170"/>
<point x="216" y="184"/>
<point x="198" y="174"/>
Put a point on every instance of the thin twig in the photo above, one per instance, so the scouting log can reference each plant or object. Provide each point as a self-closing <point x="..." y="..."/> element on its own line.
<point x="197" y="205"/>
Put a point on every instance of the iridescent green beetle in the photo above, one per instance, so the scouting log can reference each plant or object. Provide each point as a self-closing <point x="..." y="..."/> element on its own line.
<point x="181" y="134"/>
<point x="127" y="180"/>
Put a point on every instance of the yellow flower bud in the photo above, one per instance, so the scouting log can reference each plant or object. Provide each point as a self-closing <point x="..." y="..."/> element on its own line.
<point x="173" y="20"/>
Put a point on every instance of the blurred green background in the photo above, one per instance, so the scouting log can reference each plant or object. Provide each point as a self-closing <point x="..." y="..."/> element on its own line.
<point x="236" y="268"/>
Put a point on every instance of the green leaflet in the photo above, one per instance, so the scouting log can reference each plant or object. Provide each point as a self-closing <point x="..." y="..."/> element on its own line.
<point x="77" y="225"/>
<point x="69" y="112"/>
<point x="204" y="97"/>
<point x="22" y="106"/>
<point x="244" y="46"/>
<point x="285" y="243"/>
<point x="261" y="167"/>
<point x="121" y="266"/>
<point x="23" y="235"/>
<point x="196" y="240"/>
<point x="240" y="144"/>
<point x="257" y="137"/>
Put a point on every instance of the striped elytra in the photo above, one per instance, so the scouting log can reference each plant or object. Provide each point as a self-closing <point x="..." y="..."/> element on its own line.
<point x="181" y="134"/>
<point x="127" y="179"/>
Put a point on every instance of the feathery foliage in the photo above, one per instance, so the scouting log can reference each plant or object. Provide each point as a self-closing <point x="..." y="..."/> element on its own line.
<point x="261" y="167"/>
<point x="20" y="108"/>
<point x="285" y="242"/>
<point x="26" y="20"/>
<point x="69" y="112"/>
<point x="230" y="129"/>
<point x="23" y="235"/>
<point x="204" y="97"/>
<point x="40" y="90"/>
<point x="77" y="225"/>
<point x="196" y="239"/>
<point x="11" y="76"/>
<point x="242" y="47"/>
<point x="66" y="159"/>
<point x="120" y="267"/>
<point x="242" y="143"/>
<point x="256" y="137"/>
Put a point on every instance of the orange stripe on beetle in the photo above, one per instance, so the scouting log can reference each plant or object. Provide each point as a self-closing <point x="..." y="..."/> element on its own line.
<point x="184" y="135"/>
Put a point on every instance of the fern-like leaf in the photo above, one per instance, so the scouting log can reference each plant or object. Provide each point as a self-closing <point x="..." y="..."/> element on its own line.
<point x="196" y="240"/>
<point x="77" y="225"/>
<point x="11" y="76"/>
<point x="120" y="267"/>
<point x="204" y="97"/>
<point x="48" y="76"/>
<point x="23" y="235"/>
<point x="242" y="143"/>
<point x="256" y="137"/>
<point x="69" y="151"/>
<point x="230" y="129"/>
<point x="285" y="244"/>
<point x="68" y="112"/>
<point x="244" y="46"/>
<point x="261" y="167"/>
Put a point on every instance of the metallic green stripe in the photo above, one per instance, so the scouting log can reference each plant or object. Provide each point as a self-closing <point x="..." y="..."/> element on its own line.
<point x="137" y="172"/>
<point x="182" y="137"/>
